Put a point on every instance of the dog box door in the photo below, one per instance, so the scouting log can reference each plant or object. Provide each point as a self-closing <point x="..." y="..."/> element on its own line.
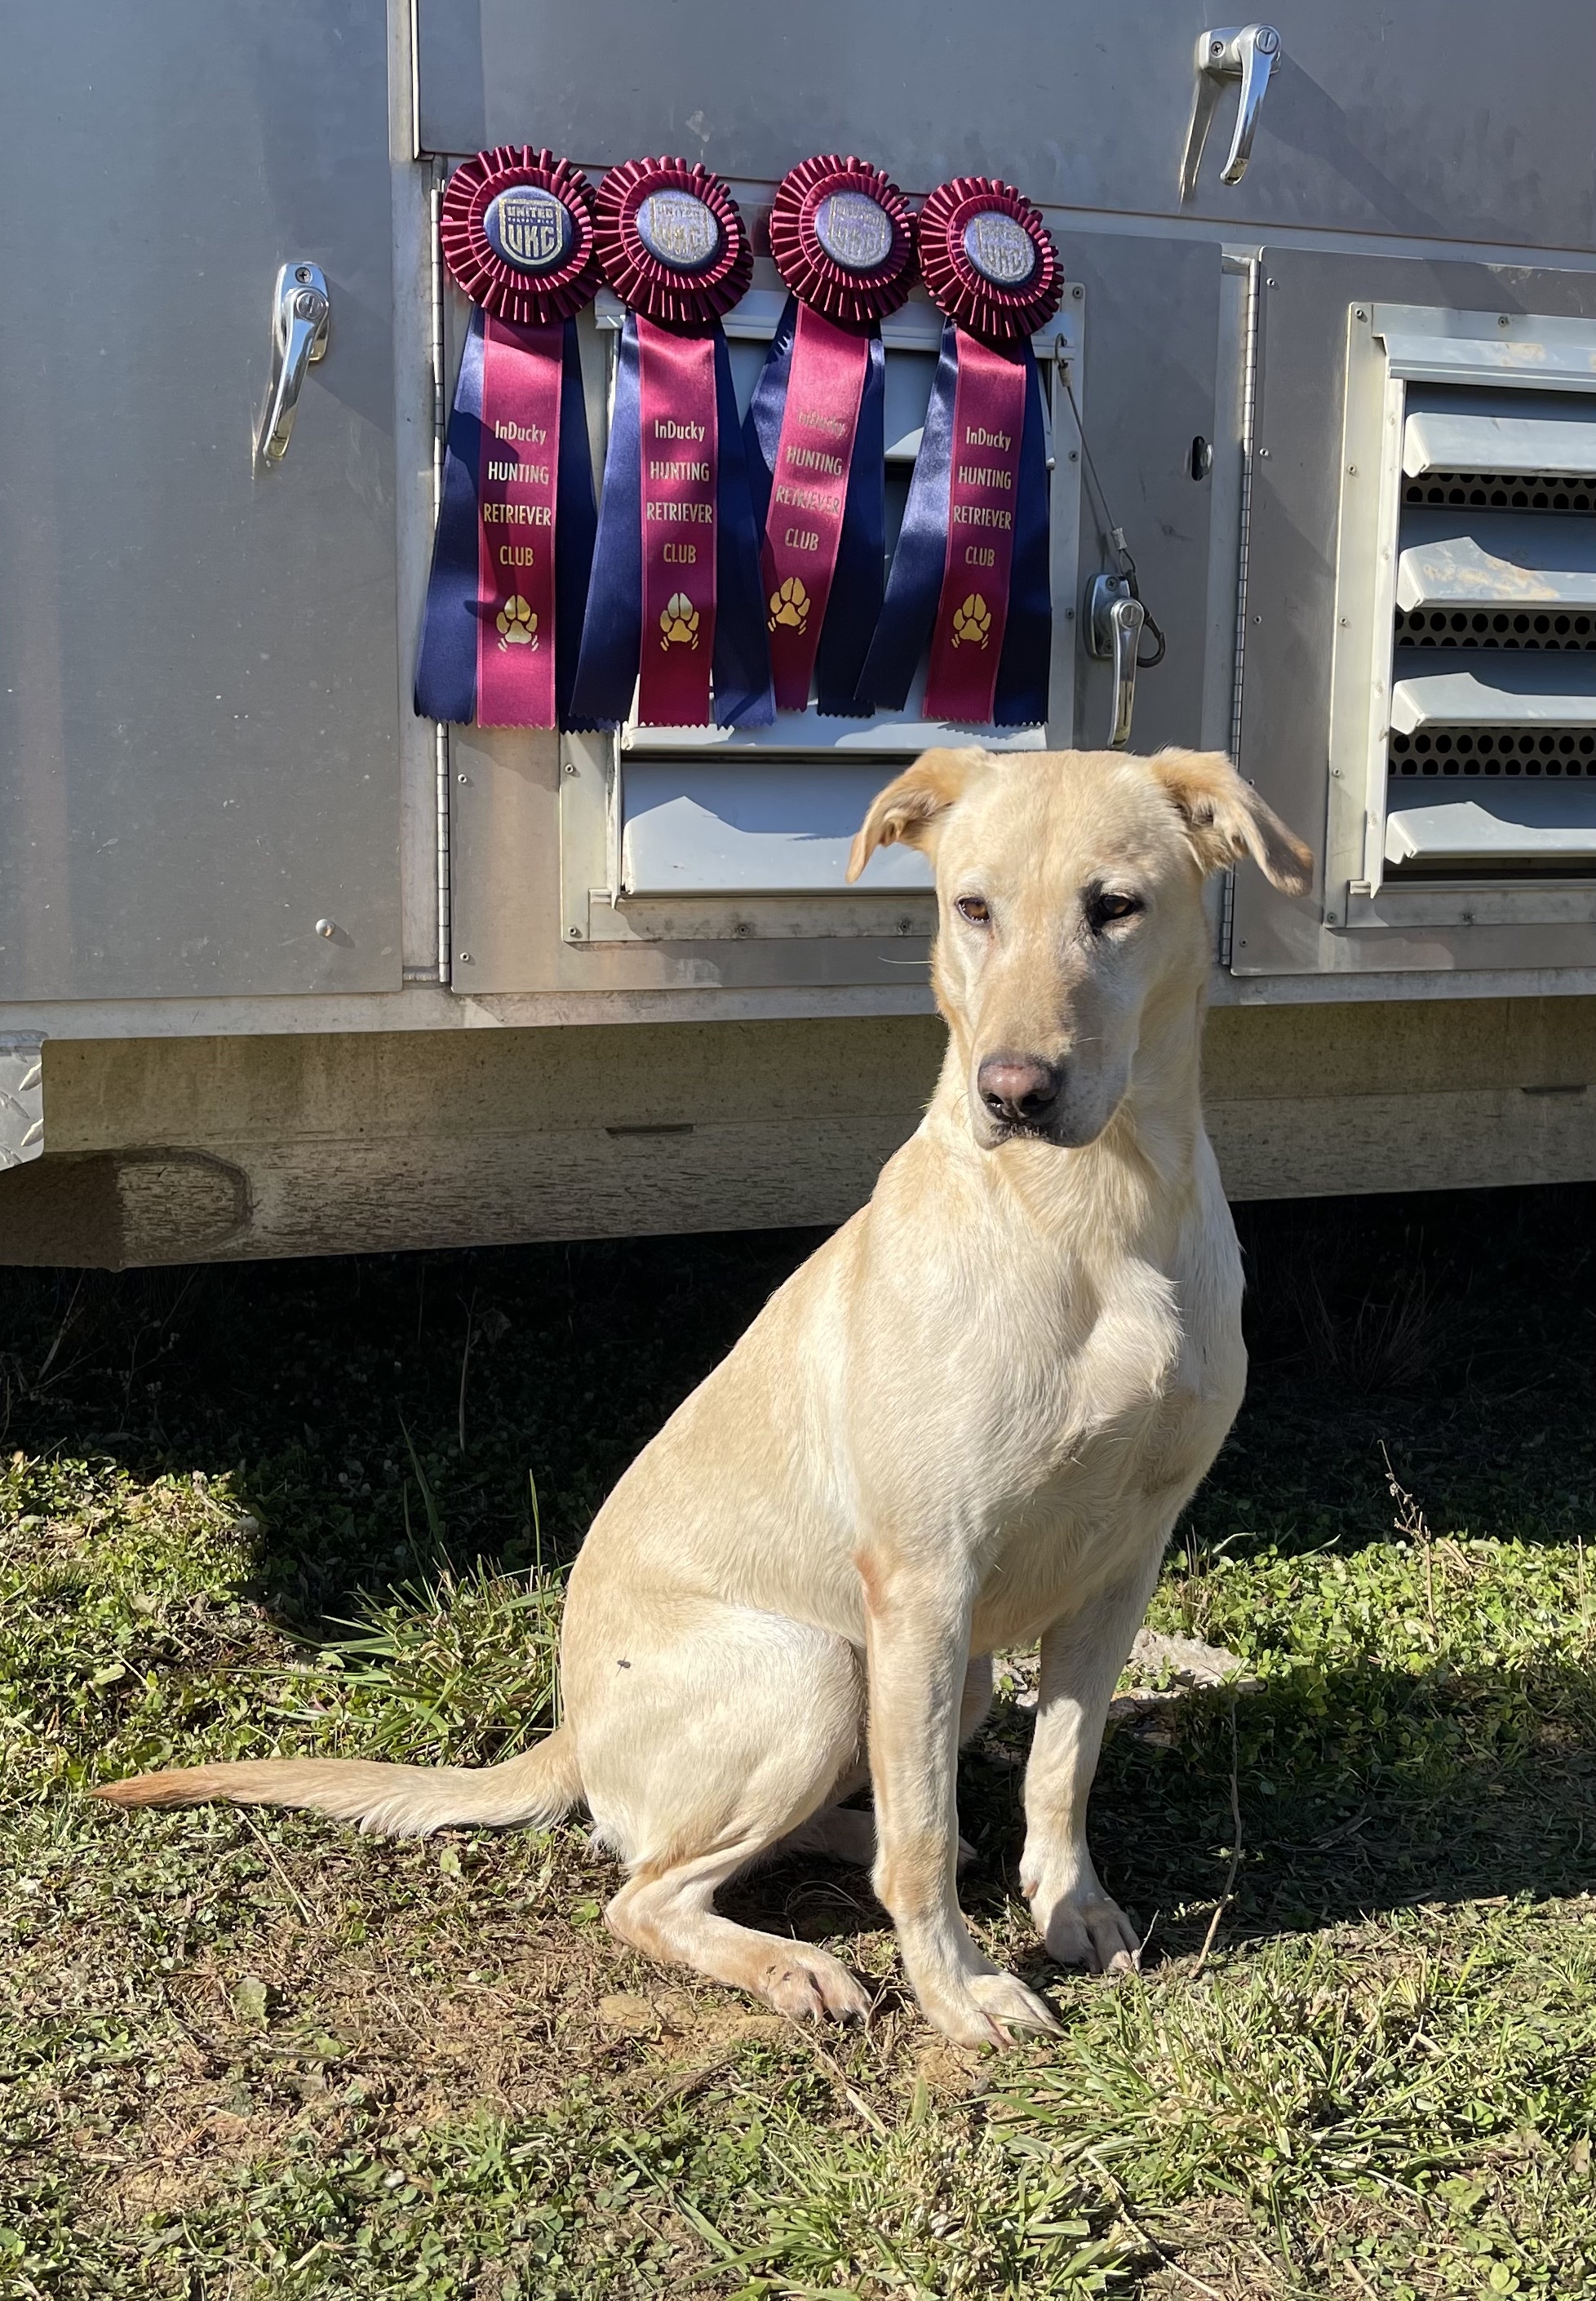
<point x="1419" y="663"/>
<point x="199" y="698"/>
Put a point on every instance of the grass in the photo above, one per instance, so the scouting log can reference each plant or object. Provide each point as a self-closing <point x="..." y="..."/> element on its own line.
<point x="328" y="1507"/>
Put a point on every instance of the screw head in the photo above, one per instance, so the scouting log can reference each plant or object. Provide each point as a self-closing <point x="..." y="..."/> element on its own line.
<point x="327" y="928"/>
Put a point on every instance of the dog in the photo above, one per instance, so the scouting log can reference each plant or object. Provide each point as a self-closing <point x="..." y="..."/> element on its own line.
<point x="969" y="1421"/>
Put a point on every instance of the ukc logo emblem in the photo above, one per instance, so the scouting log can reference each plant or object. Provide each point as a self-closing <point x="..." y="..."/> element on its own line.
<point x="529" y="228"/>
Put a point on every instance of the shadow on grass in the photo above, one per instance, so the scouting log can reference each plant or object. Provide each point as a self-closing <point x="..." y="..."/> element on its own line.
<point x="1362" y="1791"/>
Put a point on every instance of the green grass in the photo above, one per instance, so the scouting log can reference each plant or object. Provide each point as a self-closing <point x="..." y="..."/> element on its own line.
<point x="250" y="2055"/>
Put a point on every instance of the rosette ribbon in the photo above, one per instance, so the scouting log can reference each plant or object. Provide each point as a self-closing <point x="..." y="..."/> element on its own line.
<point x="674" y="607"/>
<point x="843" y="242"/>
<point x="516" y="523"/>
<point x="969" y="572"/>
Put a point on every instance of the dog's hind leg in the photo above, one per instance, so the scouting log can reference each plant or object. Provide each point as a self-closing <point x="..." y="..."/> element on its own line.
<point x="724" y="1735"/>
<point x="848" y="1833"/>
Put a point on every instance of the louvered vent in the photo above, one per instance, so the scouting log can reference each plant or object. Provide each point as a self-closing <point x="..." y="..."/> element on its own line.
<point x="1494" y="664"/>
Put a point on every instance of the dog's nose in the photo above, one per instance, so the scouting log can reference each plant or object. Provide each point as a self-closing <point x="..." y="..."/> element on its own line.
<point x="1019" y="1087"/>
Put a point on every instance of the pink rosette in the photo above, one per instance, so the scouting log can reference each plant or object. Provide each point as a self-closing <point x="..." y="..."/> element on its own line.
<point x="993" y="298"/>
<point x="853" y="281"/>
<point x="689" y="296"/>
<point x="558" y="288"/>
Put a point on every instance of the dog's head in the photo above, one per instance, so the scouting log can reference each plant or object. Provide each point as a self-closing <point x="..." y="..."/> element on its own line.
<point x="1069" y="886"/>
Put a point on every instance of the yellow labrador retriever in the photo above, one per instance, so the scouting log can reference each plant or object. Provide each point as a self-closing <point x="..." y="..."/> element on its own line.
<point x="969" y="1422"/>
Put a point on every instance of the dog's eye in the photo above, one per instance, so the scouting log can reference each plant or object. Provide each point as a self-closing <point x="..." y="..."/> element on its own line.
<point x="974" y="907"/>
<point x="1104" y="909"/>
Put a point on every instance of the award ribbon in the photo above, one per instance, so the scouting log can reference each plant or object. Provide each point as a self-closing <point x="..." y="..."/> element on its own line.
<point x="674" y="606"/>
<point x="516" y="527"/>
<point x="843" y="242"/>
<point x="971" y="566"/>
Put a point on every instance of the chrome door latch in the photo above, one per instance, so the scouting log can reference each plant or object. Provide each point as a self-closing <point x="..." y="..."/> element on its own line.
<point x="301" y="316"/>
<point x="1115" y="618"/>
<point x="1224" y="53"/>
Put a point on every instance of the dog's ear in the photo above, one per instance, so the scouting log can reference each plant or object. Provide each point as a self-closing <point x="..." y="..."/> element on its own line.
<point x="1224" y="819"/>
<point x="912" y="806"/>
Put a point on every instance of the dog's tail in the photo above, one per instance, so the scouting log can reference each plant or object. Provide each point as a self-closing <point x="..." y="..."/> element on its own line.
<point x="386" y="1801"/>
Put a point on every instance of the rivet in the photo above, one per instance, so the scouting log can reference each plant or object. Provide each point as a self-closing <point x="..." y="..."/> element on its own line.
<point x="1257" y="619"/>
<point x="1361" y="312"/>
<point x="1077" y="292"/>
<point x="571" y="766"/>
<point x="461" y="779"/>
<point x="1264" y="452"/>
<point x="326" y="927"/>
<point x="1074" y="455"/>
<point x="1504" y="322"/>
<point x="576" y="934"/>
<point x="465" y="958"/>
<point x="1352" y="470"/>
<point x="1271" y="283"/>
<point x="904" y="925"/>
<point x="741" y="927"/>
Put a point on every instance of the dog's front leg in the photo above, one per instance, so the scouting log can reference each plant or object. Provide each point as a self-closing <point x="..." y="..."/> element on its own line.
<point x="917" y="1641"/>
<point x="1082" y="1659"/>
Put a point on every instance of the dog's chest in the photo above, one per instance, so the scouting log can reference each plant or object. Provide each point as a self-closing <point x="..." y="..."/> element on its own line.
<point x="1106" y="1452"/>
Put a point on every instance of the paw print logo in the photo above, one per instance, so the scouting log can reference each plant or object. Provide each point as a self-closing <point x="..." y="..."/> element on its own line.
<point x="789" y="608"/>
<point x="679" y="622"/>
<point x="516" y="624"/>
<point x="972" y="622"/>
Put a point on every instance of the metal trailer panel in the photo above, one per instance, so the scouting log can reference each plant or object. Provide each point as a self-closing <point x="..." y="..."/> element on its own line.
<point x="198" y="661"/>
<point x="1433" y="119"/>
<point x="225" y="1149"/>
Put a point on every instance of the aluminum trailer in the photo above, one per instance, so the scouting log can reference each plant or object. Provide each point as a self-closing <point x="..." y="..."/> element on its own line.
<point x="286" y="969"/>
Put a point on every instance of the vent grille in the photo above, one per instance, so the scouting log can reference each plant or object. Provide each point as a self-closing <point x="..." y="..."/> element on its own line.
<point x="1545" y="751"/>
<point x="1503" y="491"/>
<point x="1493" y="693"/>
<point x="1494" y="627"/>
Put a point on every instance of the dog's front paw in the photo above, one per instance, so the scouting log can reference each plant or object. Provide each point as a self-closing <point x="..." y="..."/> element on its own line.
<point x="987" y="2009"/>
<point x="1082" y="1926"/>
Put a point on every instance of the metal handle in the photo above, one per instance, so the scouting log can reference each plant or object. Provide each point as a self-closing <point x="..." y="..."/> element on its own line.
<point x="1250" y="56"/>
<point x="1114" y="622"/>
<point x="301" y="316"/>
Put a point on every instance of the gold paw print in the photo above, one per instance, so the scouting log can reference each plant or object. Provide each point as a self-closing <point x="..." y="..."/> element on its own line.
<point x="972" y="622"/>
<point x="790" y="607"/>
<point x="517" y="625"/>
<point x="680" y="622"/>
